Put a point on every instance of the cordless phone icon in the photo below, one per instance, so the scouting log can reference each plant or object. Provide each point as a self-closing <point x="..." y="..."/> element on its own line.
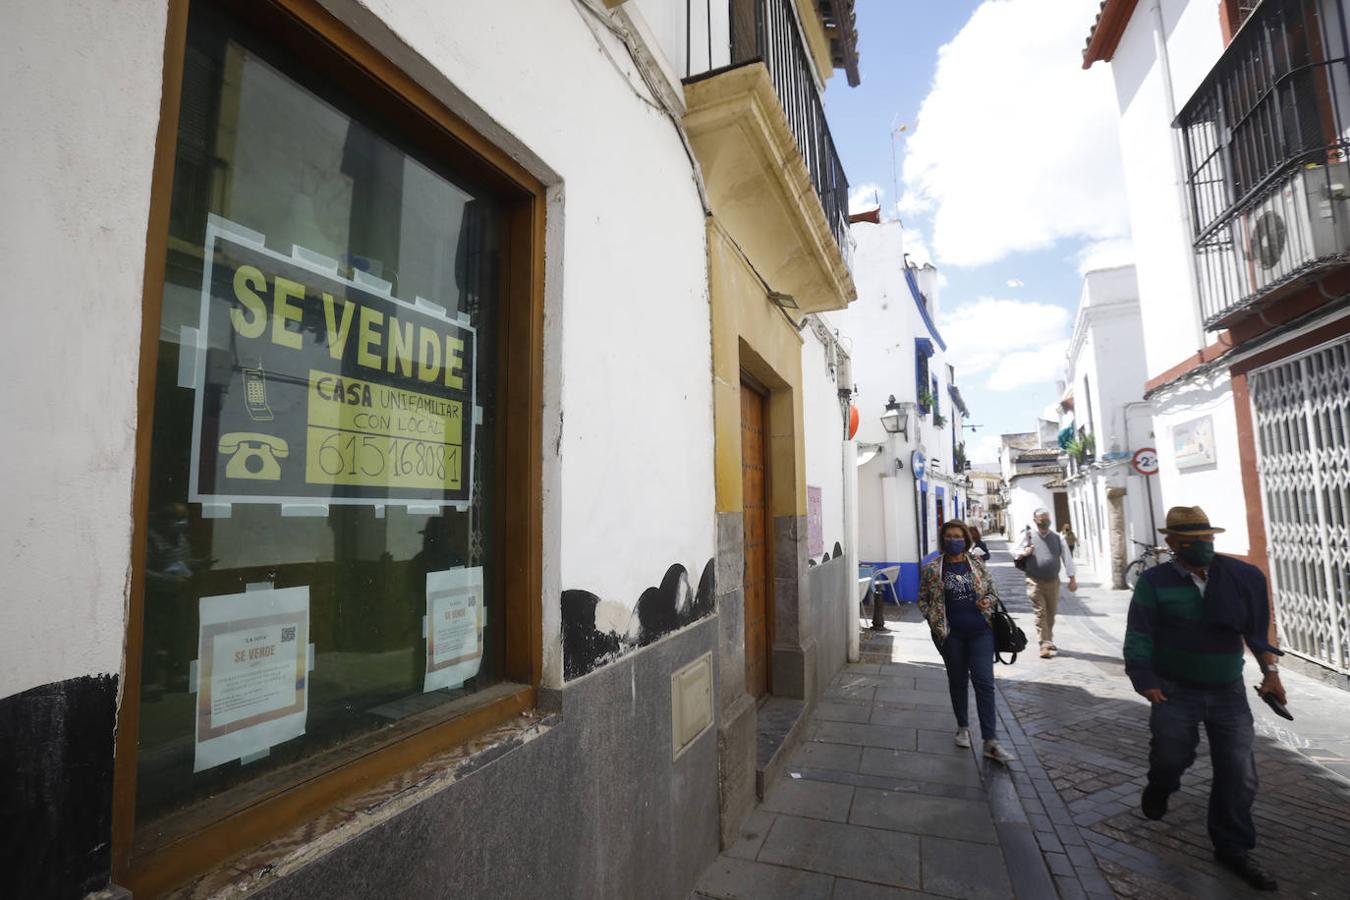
<point x="255" y="395"/>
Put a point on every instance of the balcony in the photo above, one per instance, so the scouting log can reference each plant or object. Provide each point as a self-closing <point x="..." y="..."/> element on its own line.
<point x="1266" y="159"/>
<point x="774" y="177"/>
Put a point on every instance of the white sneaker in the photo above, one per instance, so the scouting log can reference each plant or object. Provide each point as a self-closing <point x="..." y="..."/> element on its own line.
<point x="963" y="738"/>
<point x="993" y="751"/>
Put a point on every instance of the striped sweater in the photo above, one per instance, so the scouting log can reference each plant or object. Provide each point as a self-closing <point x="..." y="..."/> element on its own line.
<point x="1177" y="633"/>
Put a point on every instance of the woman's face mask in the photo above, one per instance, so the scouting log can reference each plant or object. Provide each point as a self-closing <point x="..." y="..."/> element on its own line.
<point x="954" y="546"/>
<point x="1197" y="553"/>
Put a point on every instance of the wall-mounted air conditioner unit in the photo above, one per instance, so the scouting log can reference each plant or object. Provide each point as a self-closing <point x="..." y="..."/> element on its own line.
<point x="1305" y="219"/>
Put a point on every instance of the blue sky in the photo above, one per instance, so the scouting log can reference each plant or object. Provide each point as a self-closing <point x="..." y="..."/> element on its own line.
<point x="1010" y="178"/>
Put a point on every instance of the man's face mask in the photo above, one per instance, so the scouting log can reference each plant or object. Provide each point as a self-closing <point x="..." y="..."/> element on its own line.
<point x="1197" y="553"/>
<point x="1043" y="524"/>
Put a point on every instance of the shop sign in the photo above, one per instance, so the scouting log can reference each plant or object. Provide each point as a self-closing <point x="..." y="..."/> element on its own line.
<point x="314" y="388"/>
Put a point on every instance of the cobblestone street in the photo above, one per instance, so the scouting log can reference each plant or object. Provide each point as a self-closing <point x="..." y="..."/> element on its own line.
<point x="876" y="801"/>
<point x="1090" y="733"/>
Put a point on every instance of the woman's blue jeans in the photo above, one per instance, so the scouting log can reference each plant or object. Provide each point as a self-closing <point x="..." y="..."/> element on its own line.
<point x="1228" y="723"/>
<point x="970" y="658"/>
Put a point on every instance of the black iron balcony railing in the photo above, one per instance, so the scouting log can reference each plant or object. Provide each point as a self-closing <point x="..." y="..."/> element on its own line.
<point x="767" y="31"/>
<point x="1265" y="148"/>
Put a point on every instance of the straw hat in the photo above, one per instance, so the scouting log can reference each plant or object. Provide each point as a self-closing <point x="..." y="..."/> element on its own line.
<point x="1188" y="520"/>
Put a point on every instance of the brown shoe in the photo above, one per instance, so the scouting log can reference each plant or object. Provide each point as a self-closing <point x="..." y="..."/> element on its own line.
<point x="1046" y="651"/>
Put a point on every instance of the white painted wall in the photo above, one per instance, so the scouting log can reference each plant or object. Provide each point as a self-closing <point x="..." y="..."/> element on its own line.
<point x="1106" y="366"/>
<point x="1216" y="487"/>
<point x="1158" y="225"/>
<point x="882" y="325"/>
<point x="1162" y="241"/>
<point x="82" y="85"/>
<point x="628" y="482"/>
<point x="824" y="437"/>
<point x="1026" y="495"/>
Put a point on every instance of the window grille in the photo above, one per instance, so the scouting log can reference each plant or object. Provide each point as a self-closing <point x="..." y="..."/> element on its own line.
<point x="1301" y="409"/>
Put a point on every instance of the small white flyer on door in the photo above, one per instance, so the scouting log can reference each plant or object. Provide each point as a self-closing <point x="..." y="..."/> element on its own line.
<point x="252" y="673"/>
<point x="454" y="627"/>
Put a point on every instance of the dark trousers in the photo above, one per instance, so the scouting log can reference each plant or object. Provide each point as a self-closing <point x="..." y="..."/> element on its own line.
<point x="1228" y="725"/>
<point x="970" y="658"/>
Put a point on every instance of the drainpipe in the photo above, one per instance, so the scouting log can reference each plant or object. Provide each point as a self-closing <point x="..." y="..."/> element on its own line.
<point x="851" y="546"/>
<point x="1178" y="158"/>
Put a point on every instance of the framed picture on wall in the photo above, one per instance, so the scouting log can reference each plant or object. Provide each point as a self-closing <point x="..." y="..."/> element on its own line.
<point x="1193" y="443"/>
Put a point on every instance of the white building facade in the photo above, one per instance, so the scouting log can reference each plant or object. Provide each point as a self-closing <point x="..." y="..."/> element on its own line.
<point x="392" y="438"/>
<point x="1107" y="423"/>
<point x="1033" y="473"/>
<point x="912" y="481"/>
<point x="1240" y="235"/>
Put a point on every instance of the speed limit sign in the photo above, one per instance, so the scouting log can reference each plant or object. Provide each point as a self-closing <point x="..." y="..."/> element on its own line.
<point x="1145" y="461"/>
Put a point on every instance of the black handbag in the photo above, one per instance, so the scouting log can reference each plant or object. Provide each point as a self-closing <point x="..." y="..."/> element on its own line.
<point x="1008" y="638"/>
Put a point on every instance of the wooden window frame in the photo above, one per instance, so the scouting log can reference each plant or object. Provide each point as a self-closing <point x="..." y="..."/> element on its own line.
<point x="337" y="52"/>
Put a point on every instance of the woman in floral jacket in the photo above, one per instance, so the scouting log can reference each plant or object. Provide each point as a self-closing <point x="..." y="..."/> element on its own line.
<point x="957" y="597"/>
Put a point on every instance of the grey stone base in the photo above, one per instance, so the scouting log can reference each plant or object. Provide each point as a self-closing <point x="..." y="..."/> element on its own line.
<point x="736" y="738"/>
<point x="794" y="670"/>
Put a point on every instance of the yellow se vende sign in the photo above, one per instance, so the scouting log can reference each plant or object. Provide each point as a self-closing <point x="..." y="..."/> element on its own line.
<point x="314" y="387"/>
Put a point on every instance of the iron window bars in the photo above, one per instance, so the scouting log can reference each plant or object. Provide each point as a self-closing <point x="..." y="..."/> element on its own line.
<point x="767" y="31"/>
<point x="1264" y="139"/>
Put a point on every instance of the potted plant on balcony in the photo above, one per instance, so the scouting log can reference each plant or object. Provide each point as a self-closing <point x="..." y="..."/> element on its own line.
<point x="1082" y="448"/>
<point x="925" y="398"/>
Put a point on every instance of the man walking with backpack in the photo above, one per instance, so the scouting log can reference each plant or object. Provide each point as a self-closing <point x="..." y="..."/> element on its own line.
<point x="1044" y="552"/>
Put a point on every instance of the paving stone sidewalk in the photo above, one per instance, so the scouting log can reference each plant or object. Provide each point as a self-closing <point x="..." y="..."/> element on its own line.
<point x="878" y="802"/>
<point x="1088" y="731"/>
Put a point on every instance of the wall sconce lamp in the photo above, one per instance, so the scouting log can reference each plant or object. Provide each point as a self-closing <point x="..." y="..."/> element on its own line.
<point x="895" y="419"/>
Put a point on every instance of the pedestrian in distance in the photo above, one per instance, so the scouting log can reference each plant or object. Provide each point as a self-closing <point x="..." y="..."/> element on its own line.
<point x="1070" y="539"/>
<point x="957" y="598"/>
<point x="978" y="548"/>
<point x="1044" y="553"/>
<point x="1189" y="619"/>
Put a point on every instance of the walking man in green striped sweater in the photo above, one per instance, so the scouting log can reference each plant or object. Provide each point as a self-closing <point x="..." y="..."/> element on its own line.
<point x="1188" y="622"/>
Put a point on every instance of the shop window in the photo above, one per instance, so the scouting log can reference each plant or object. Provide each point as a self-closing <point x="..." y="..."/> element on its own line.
<point x="329" y="526"/>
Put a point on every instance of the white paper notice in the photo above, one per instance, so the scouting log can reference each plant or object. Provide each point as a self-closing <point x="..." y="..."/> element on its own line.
<point x="454" y="627"/>
<point x="252" y="673"/>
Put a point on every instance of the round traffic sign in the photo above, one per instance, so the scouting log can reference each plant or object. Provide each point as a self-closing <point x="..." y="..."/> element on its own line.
<point x="1145" y="461"/>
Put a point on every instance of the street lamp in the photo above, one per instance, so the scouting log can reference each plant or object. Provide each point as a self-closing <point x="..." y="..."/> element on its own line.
<point x="895" y="419"/>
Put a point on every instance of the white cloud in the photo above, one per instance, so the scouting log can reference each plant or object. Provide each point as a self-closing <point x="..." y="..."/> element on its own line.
<point x="983" y="448"/>
<point x="1015" y="282"/>
<point x="916" y="247"/>
<point x="1105" y="255"/>
<point x="1025" y="368"/>
<point x="865" y="196"/>
<point x="911" y="203"/>
<point x="1016" y="146"/>
<point x="1011" y="343"/>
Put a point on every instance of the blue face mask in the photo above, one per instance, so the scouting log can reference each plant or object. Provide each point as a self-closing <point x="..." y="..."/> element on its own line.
<point x="954" y="546"/>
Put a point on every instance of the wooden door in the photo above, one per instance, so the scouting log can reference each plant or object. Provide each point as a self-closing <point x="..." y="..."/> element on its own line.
<point x="1061" y="509"/>
<point x="758" y="549"/>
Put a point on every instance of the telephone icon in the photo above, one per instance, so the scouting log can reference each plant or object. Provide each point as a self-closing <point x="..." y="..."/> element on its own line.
<point x="253" y="456"/>
<point x="255" y="395"/>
